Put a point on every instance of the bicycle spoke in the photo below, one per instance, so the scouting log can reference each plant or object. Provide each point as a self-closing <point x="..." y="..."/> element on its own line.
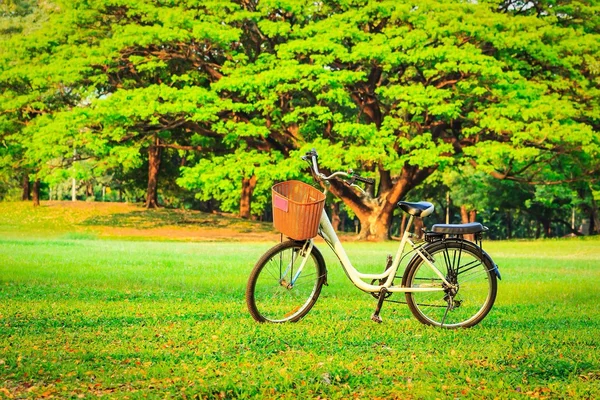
<point x="432" y="305"/>
<point x="475" y="274"/>
<point x="447" y="260"/>
<point x="467" y="267"/>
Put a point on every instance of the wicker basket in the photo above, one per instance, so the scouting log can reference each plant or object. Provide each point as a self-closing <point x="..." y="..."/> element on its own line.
<point x="297" y="209"/>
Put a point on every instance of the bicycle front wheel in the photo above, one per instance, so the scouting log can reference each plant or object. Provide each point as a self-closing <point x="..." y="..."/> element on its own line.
<point x="276" y="292"/>
<point x="463" y="265"/>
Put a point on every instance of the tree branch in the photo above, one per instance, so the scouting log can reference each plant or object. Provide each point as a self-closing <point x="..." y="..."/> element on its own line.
<point x="180" y="147"/>
<point x="349" y="197"/>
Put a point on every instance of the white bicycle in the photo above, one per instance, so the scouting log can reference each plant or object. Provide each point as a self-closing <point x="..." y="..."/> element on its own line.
<point x="449" y="282"/>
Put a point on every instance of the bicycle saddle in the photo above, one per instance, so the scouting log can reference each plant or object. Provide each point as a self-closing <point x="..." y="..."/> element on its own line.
<point x="420" y="209"/>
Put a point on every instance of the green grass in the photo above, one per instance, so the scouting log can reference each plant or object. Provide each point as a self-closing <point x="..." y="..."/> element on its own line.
<point x="84" y="317"/>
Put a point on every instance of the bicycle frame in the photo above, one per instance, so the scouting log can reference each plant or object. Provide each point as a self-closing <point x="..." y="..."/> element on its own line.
<point x="357" y="278"/>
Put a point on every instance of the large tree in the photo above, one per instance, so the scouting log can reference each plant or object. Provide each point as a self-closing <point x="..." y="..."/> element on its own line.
<point x="140" y="74"/>
<point x="21" y="99"/>
<point x="400" y="90"/>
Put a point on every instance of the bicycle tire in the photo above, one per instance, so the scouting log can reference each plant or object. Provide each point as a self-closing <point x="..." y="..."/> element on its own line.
<point x="475" y="276"/>
<point x="268" y="296"/>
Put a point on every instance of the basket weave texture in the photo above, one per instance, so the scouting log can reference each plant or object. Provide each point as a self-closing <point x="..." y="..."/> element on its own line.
<point x="297" y="209"/>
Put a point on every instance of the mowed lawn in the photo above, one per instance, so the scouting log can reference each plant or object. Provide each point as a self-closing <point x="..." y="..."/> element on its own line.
<point x="83" y="316"/>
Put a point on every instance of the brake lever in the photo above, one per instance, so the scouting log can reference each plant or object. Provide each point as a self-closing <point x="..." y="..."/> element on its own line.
<point x="359" y="189"/>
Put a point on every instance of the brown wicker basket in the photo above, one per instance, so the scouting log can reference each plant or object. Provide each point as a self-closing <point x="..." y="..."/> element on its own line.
<point x="297" y="209"/>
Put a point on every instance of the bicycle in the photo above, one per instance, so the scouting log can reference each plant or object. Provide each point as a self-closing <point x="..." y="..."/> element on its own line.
<point x="449" y="282"/>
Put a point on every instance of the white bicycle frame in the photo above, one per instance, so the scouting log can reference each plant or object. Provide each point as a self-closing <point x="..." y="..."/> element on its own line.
<point x="357" y="277"/>
<point x="328" y="233"/>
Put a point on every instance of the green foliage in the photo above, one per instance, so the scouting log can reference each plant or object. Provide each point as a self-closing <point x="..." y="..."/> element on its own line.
<point x="220" y="178"/>
<point x="391" y="90"/>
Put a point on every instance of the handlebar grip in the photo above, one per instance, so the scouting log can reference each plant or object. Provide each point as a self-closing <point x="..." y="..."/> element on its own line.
<point x="369" y="181"/>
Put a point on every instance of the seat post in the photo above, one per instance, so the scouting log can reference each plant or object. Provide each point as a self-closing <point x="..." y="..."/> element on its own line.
<point x="408" y="225"/>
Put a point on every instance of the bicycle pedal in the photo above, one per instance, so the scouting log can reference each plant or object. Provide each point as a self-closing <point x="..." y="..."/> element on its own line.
<point x="376" y="318"/>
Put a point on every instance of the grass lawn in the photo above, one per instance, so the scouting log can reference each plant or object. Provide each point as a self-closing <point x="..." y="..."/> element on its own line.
<point x="84" y="313"/>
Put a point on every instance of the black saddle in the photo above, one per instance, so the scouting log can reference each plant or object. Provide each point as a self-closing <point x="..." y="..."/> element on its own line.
<point x="420" y="209"/>
<point x="458" y="229"/>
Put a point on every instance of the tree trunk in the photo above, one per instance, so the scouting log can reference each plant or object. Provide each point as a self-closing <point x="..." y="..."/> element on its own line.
<point x="73" y="190"/>
<point x="547" y="229"/>
<point x="248" y="185"/>
<point x="375" y="224"/>
<point x="89" y="190"/>
<point x="375" y="214"/>
<point x="418" y="227"/>
<point x="26" y="188"/>
<point x="467" y="216"/>
<point x="335" y="215"/>
<point x="592" y="228"/>
<point x="343" y="218"/>
<point x="154" y="153"/>
<point x="594" y="218"/>
<point x="402" y="225"/>
<point x="36" y="193"/>
<point x="464" y="215"/>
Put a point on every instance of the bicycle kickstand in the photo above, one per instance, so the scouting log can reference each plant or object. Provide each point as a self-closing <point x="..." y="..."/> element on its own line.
<point x="375" y="317"/>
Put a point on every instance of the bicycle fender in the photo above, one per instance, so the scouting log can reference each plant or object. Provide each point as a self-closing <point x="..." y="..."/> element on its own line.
<point x="485" y="255"/>
<point x="496" y="270"/>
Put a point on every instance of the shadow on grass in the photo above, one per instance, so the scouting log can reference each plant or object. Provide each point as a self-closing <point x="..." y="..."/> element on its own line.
<point x="149" y="219"/>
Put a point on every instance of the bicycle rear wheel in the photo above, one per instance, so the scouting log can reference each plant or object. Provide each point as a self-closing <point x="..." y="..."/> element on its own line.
<point x="270" y="294"/>
<point x="462" y="264"/>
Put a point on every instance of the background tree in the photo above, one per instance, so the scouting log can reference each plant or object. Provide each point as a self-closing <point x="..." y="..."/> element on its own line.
<point x="232" y="180"/>
<point x="395" y="91"/>
<point x="146" y="76"/>
<point x="17" y="18"/>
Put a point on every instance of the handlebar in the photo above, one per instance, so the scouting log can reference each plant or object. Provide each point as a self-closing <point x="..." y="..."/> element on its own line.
<point x="368" y="181"/>
<point x="312" y="158"/>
